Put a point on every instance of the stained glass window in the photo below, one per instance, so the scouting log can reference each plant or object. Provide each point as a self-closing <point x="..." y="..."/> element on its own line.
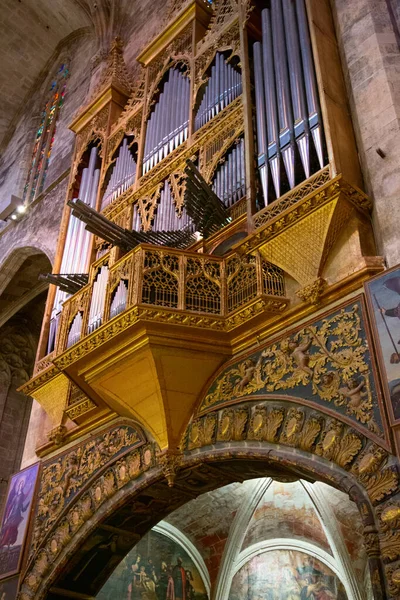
<point x="44" y="138"/>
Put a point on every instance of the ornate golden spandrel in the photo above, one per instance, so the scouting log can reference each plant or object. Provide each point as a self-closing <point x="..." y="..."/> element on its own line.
<point x="329" y="359"/>
<point x="63" y="477"/>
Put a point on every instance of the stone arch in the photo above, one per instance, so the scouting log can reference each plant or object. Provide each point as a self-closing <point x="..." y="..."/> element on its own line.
<point x="134" y="491"/>
<point x="16" y="256"/>
<point x="19" y="279"/>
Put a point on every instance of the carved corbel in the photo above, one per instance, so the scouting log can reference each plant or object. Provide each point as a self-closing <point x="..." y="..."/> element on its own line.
<point x="312" y="293"/>
<point x="170" y="462"/>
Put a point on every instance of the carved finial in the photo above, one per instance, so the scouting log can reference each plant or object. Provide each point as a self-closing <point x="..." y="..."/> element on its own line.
<point x="116" y="72"/>
<point x="170" y="462"/>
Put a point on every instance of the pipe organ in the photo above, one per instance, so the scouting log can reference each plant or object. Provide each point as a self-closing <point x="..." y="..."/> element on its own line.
<point x="287" y="105"/>
<point x="98" y="299"/>
<point x="77" y="243"/>
<point x="168" y="124"/>
<point x="223" y="86"/>
<point x="167" y="217"/>
<point x="199" y="108"/>
<point x="229" y="182"/>
<point x="123" y="174"/>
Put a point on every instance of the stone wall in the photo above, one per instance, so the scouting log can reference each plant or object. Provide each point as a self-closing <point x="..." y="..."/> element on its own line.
<point x="17" y="352"/>
<point x="371" y="64"/>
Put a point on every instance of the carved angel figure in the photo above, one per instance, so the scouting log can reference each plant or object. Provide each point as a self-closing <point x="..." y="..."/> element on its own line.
<point x="299" y="353"/>
<point x="353" y="392"/>
<point x="250" y="368"/>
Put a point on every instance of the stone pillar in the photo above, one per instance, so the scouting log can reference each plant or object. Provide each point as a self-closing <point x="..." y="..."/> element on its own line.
<point x="371" y="65"/>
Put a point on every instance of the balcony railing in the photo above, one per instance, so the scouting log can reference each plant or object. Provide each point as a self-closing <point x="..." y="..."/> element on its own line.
<point x="175" y="280"/>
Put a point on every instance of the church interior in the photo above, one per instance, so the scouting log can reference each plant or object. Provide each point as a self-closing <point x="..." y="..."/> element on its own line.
<point x="200" y="300"/>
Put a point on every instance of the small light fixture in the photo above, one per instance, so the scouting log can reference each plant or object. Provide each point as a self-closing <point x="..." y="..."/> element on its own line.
<point x="21" y="209"/>
<point x="14" y="217"/>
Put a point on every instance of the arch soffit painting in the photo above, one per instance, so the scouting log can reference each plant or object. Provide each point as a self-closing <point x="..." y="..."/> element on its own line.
<point x="174" y="534"/>
<point x="233" y="557"/>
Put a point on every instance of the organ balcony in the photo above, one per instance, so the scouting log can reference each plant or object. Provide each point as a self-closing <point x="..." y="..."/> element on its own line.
<point x="150" y="327"/>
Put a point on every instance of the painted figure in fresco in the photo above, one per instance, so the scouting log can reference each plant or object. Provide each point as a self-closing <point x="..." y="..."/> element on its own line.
<point x="17" y="504"/>
<point x="146" y="586"/>
<point x="180" y="581"/>
<point x="135" y="582"/>
<point x="165" y="583"/>
<point x="190" y="593"/>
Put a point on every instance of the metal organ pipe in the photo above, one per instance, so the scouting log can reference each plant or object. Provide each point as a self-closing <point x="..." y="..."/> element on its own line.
<point x="314" y="114"/>
<point x="289" y="97"/>
<point x="229" y="182"/>
<point x="223" y="86"/>
<point x="75" y="255"/>
<point x="166" y="217"/>
<point x="286" y="124"/>
<point x="260" y="114"/>
<point x="167" y="126"/>
<point x="122" y="176"/>
<point x="96" y="312"/>
<point x="119" y="300"/>
<point x="301" y="128"/>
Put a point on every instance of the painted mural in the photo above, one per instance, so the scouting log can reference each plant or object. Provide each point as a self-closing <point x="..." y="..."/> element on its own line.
<point x="16" y="518"/>
<point x="384" y="301"/>
<point x="286" y="575"/>
<point x="157" y="568"/>
<point x="285" y="511"/>
<point x="9" y="588"/>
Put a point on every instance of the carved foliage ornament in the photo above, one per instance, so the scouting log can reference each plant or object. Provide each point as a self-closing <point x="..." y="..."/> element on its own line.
<point x="326" y="362"/>
<point x="304" y="429"/>
<point x="129" y="466"/>
<point x="62" y="478"/>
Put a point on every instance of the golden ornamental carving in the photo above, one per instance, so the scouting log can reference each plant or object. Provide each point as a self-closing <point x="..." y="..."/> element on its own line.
<point x="202" y="432"/>
<point x="224" y="12"/>
<point x="301" y="428"/>
<point x="63" y="477"/>
<point x="312" y="293"/>
<point x="80" y="512"/>
<point x="311" y="185"/>
<point x="381" y="484"/>
<point x="232" y="424"/>
<point x="330" y="359"/>
<point x="337" y="446"/>
<point x="264" y="424"/>
<point x="170" y="462"/>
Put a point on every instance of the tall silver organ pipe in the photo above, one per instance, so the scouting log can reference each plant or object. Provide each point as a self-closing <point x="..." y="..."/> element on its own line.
<point x="166" y="217"/>
<point x="118" y="303"/>
<point x="314" y="113"/>
<point x="223" y="86"/>
<point x="136" y="221"/>
<point x="75" y="330"/>
<point x="229" y="182"/>
<point x="122" y="176"/>
<point x="288" y="96"/>
<point x="77" y="242"/>
<point x="168" y="124"/>
<point x="97" y="303"/>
